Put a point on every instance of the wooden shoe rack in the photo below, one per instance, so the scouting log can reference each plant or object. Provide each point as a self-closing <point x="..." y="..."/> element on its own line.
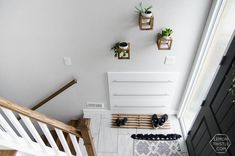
<point x="139" y="121"/>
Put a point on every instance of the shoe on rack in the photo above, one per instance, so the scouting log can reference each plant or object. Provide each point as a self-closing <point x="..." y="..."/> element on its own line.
<point x="163" y="119"/>
<point x="124" y="121"/>
<point x="155" y="121"/>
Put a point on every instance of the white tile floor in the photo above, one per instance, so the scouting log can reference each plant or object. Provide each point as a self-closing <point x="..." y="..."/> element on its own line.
<point x="117" y="141"/>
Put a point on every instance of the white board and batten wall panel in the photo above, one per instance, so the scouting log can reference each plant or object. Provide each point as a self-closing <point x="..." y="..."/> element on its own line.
<point x="147" y="92"/>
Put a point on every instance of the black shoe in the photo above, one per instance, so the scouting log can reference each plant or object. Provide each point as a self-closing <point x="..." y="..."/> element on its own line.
<point x="118" y="122"/>
<point x="155" y="121"/>
<point x="124" y="121"/>
<point x="163" y="119"/>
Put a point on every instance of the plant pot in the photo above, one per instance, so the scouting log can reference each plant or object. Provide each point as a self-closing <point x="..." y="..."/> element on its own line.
<point x="123" y="45"/>
<point x="147" y="14"/>
<point x="165" y="39"/>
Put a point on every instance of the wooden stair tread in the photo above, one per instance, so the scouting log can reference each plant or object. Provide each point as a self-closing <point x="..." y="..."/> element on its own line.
<point x="139" y="121"/>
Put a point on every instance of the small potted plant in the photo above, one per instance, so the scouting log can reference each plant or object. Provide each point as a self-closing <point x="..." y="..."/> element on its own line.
<point x="166" y="33"/>
<point x="164" y="40"/>
<point x="121" y="50"/>
<point x="144" y="11"/>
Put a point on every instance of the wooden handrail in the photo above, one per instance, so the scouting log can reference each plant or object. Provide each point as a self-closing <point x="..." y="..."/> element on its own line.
<point x="39" y="117"/>
<point x="74" y="81"/>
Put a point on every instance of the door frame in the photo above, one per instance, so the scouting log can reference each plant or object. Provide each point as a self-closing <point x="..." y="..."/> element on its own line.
<point x="206" y="40"/>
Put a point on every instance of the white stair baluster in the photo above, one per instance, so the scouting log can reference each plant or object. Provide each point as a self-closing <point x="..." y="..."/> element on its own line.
<point x="75" y="144"/>
<point x="18" y="126"/>
<point x="33" y="131"/>
<point x="63" y="141"/>
<point x="8" y="128"/>
<point x="49" y="137"/>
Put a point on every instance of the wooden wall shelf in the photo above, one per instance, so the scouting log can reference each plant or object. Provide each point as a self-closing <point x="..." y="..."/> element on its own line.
<point x="138" y="121"/>
<point x="146" y="23"/>
<point x="164" y="43"/>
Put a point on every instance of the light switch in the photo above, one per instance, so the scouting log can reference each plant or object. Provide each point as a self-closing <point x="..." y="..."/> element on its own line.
<point x="170" y="60"/>
<point x="67" y="61"/>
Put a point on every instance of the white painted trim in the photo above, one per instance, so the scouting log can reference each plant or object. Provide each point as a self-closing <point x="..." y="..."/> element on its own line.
<point x="208" y="34"/>
<point x="183" y="128"/>
<point x="10" y="115"/>
<point x="75" y="144"/>
<point x="8" y="128"/>
<point x="63" y="141"/>
<point x="49" y="137"/>
<point x="28" y="123"/>
<point x="22" y="146"/>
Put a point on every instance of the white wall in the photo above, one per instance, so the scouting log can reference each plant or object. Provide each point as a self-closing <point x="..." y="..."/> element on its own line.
<point x="36" y="35"/>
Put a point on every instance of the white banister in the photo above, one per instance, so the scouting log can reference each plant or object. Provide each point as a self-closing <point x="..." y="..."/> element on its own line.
<point x="63" y="141"/>
<point x="75" y="145"/>
<point x="49" y="137"/>
<point x="17" y="125"/>
<point x="8" y="128"/>
<point x="33" y="131"/>
<point x="26" y="136"/>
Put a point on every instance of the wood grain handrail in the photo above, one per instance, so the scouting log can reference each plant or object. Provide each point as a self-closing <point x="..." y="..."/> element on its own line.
<point x="74" y="81"/>
<point x="39" y="117"/>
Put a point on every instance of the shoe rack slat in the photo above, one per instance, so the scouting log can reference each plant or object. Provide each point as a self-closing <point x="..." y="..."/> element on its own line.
<point x="139" y="121"/>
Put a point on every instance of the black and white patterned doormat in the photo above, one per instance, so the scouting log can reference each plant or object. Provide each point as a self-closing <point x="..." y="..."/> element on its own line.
<point x="156" y="148"/>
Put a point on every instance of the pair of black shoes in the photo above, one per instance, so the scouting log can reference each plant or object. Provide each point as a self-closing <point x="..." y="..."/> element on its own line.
<point x="155" y="136"/>
<point x="121" y="122"/>
<point x="158" y="122"/>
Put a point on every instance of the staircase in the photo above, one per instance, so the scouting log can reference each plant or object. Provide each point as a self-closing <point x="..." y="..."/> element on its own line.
<point x="73" y="123"/>
<point x="47" y="136"/>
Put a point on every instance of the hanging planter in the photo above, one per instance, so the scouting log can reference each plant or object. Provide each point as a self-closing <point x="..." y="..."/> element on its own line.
<point x="145" y="17"/>
<point x="164" y="39"/>
<point x="121" y="50"/>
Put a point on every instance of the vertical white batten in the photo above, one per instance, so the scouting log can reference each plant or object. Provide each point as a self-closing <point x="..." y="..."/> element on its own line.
<point x="49" y="136"/>
<point x="18" y="126"/>
<point x="8" y="128"/>
<point x="33" y="131"/>
<point x="75" y="145"/>
<point x="63" y="141"/>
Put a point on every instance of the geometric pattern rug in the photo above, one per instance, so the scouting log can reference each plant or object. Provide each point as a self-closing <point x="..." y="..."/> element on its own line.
<point x="156" y="148"/>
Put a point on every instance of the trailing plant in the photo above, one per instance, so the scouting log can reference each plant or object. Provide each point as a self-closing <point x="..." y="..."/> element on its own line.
<point x="167" y="32"/>
<point x="117" y="50"/>
<point x="141" y="9"/>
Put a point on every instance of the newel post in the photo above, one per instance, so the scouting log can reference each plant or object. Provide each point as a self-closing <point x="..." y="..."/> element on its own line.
<point x="84" y="127"/>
